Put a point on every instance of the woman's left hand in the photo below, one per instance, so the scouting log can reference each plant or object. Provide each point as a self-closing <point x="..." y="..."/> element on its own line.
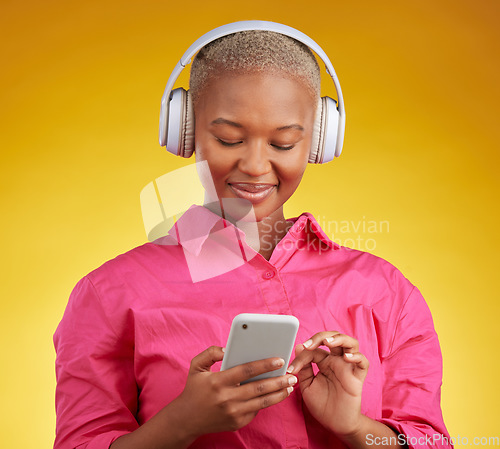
<point x="333" y="395"/>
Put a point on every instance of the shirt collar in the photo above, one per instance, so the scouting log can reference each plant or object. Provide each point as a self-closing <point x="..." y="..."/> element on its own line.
<point x="306" y="226"/>
<point x="192" y="229"/>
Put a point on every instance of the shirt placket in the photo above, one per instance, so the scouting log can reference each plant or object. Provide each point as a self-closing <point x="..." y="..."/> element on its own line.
<point x="274" y="295"/>
<point x="268" y="272"/>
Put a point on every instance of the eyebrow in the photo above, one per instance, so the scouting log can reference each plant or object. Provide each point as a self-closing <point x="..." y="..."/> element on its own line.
<point x="293" y="126"/>
<point x="223" y="121"/>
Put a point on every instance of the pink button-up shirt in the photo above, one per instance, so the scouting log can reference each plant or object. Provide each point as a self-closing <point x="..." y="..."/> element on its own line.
<point x="133" y="325"/>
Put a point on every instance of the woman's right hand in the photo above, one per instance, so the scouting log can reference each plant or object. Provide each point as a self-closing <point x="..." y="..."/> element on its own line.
<point x="210" y="402"/>
<point x="216" y="402"/>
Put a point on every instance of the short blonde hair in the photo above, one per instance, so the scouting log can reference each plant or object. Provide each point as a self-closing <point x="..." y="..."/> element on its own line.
<point x="255" y="51"/>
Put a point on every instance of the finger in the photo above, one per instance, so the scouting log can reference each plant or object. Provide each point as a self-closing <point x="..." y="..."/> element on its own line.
<point x="256" y="404"/>
<point x="258" y="388"/>
<point x="246" y="371"/>
<point x="348" y="344"/>
<point x="306" y="374"/>
<point x="317" y="339"/>
<point x="357" y="359"/>
<point x="304" y="358"/>
<point x="204" y="360"/>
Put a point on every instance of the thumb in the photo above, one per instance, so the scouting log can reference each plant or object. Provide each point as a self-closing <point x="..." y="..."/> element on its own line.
<point x="204" y="360"/>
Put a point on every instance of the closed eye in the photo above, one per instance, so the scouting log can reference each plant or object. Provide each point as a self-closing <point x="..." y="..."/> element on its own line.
<point x="284" y="148"/>
<point x="227" y="143"/>
<point x="231" y="143"/>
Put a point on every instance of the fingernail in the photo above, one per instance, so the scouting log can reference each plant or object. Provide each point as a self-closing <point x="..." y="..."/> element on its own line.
<point x="290" y="369"/>
<point x="292" y="380"/>
<point x="329" y="339"/>
<point x="348" y="354"/>
<point x="279" y="362"/>
<point x="307" y="343"/>
<point x="289" y="389"/>
<point x="223" y="349"/>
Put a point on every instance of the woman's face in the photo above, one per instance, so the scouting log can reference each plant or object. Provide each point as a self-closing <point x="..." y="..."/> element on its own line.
<point x="255" y="131"/>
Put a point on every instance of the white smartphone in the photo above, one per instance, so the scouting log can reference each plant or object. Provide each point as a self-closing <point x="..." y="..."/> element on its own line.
<point x="255" y="336"/>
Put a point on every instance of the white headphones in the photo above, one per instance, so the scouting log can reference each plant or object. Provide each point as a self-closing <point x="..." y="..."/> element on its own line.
<point x="177" y="117"/>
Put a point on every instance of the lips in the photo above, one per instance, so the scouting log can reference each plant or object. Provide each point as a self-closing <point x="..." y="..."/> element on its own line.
<point x="255" y="193"/>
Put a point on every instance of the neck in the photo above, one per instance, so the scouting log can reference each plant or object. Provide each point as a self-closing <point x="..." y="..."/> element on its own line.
<point x="263" y="235"/>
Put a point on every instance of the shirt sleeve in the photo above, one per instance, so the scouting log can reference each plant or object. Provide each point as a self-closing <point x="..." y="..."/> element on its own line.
<point x="96" y="393"/>
<point x="413" y="371"/>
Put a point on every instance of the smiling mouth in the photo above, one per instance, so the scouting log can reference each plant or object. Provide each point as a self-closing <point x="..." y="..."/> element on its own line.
<point x="255" y="193"/>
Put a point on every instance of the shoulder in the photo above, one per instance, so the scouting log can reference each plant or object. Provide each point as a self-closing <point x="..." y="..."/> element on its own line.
<point x="373" y="278"/>
<point x="140" y="261"/>
<point x="129" y="281"/>
<point x="135" y="273"/>
<point x="371" y="266"/>
<point x="359" y="273"/>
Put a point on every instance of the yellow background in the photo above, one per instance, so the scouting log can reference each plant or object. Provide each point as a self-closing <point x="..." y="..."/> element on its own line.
<point x="81" y="84"/>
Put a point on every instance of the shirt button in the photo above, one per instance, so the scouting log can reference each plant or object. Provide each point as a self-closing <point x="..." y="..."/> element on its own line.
<point x="268" y="275"/>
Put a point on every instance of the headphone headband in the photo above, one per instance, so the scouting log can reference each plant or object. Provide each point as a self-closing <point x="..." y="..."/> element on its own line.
<point x="250" y="25"/>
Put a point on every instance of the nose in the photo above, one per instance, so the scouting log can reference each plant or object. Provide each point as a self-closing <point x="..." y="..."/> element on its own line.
<point x="254" y="160"/>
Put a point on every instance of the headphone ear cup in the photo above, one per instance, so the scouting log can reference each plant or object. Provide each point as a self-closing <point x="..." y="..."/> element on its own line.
<point x="317" y="132"/>
<point x="326" y="123"/>
<point x="180" y="125"/>
<point x="188" y="134"/>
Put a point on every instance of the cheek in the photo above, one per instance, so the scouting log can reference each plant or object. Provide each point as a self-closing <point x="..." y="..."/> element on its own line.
<point x="199" y="145"/>
<point x="218" y="162"/>
<point x="293" y="169"/>
<point x="294" y="181"/>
